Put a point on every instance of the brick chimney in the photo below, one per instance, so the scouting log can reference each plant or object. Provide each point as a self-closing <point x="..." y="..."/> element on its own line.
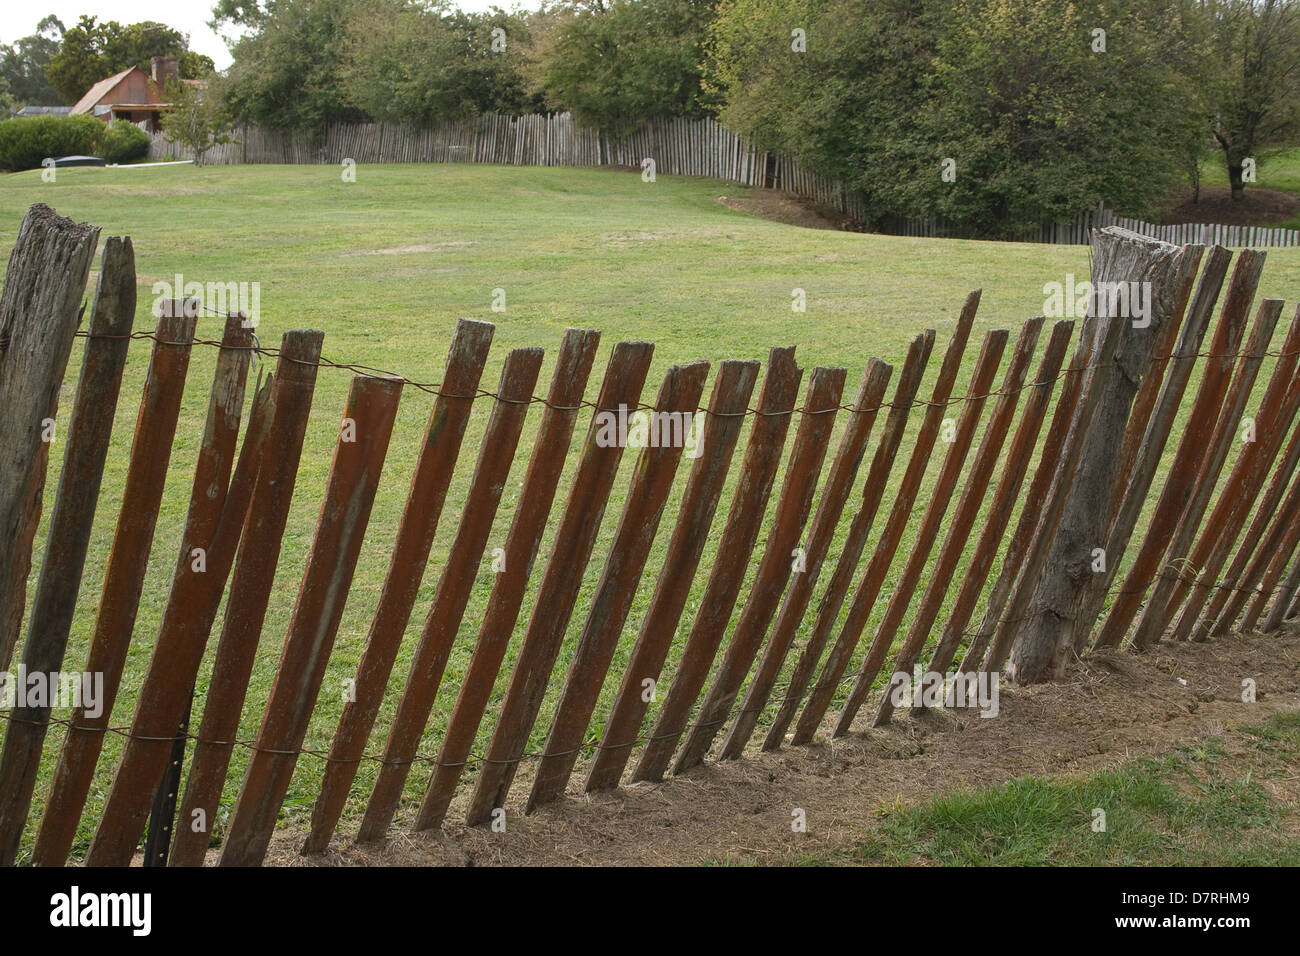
<point x="164" y="68"/>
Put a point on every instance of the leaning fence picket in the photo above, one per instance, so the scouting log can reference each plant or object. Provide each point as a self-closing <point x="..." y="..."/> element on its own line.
<point x="873" y="578"/>
<point x="652" y="481"/>
<point x="444" y="433"/>
<point x="967" y="510"/>
<point x="252" y="579"/>
<point x="340" y="531"/>
<point x="568" y="383"/>
<point x="1276" y="414"/>
<point x="873" y="491"/>
<point x="821" y="404"/>
<point x="1006" y="496"/>
<point x="732" y="388"/>
<point x="744" y="519"/>
<point x="986" y="366"/>
<point x="192" y="603"/>
<point x="574" y="542"/>
<point x="839" y="483"/>
<point x="128" y="561"/>
<point x="1155" y="616"/>
<point x="496" y="455"/>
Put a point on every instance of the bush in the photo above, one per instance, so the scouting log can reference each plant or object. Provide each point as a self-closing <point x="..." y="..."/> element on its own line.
<point x="27" y="140"/>
<point x="123" y="142"/>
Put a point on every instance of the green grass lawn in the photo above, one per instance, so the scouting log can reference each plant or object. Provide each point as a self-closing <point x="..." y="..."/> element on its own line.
<point x="385" y="265"/>
<point x="1198" y="806"/>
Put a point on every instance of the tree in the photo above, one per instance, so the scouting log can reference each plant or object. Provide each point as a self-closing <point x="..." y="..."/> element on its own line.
<point x="91" y="51"/>
<point x="195" y="117"/>
<point x="994" y="114"/>
<point x="619" y="62"/>
<point x="409" y="63"/>
<point x="1253" y="84"/>
<point x="289" y="72"/>
<point x="22" y="65"/>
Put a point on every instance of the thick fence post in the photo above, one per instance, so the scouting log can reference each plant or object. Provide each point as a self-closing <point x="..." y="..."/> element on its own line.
<point x="1142" y="463"/>
<point x="47" y="273"/>
<point x="55" y="602"/>
<point x="1127" y="345"/>
<point x="1202" y="424"/>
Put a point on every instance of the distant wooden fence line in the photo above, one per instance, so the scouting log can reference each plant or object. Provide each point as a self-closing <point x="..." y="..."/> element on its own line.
<point x="721" y="691"/>
<point x="678" y="146"/>
<point x="1255" y="237"/>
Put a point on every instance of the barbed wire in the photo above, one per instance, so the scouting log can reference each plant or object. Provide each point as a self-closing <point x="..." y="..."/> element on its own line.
<point x="435" y="388"/>
<point x="472" y="759"/>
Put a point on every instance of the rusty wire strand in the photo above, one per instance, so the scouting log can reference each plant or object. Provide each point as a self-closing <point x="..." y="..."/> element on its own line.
<point x="435" y="388"/>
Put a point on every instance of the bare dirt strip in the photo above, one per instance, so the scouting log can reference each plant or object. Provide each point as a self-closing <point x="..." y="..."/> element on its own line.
<point x="1115" y="706"/>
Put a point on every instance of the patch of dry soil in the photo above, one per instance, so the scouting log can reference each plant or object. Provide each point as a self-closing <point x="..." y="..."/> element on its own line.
<point x="1257" y="207"/>
<point x="1115" y="706"/>
<point x="787" y="208"/>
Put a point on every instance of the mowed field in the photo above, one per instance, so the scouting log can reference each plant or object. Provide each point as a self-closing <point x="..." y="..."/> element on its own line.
<point x="386" y="264"/>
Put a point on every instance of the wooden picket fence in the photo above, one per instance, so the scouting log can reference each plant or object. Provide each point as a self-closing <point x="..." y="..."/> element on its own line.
<point x="678" y="146"/>
<point x="1045" y="398"/>
<point x="1208" y="234"/>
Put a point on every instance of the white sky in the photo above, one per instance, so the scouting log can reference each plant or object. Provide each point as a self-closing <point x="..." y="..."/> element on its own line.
<point x="189" y="16"/>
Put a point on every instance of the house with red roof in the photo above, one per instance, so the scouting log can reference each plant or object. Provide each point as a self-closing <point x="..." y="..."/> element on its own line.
<point x="132" y="94"/>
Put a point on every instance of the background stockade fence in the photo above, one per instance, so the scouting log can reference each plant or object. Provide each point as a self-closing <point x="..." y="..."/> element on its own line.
<point x="1037" y="409"/>
<point x="678" y="146"/>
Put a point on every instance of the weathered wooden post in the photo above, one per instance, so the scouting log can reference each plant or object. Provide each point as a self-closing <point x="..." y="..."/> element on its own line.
<point x="39" y="314"/>
<point x="1075" y="522"/>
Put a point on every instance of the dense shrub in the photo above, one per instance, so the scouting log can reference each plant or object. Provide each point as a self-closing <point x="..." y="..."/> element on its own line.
<point x="27" y="140"/>
<point x="123" y="142"/>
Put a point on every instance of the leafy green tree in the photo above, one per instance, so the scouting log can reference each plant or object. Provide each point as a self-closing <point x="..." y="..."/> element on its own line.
<point x="1042" y="121"/>
<point x="289" y="72"/>
<point x="22" y="65"/>
<point x="196" y="118"/>
<point x="411" y="63"/>
<point x="1252" y="84"/>
<point x="618" y="62"/>
<point x="996" y="114"/>
<point x="91" y="51"/>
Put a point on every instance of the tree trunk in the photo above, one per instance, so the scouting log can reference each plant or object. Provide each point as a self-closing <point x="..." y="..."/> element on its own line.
<point x="1235" y="180"/>
<point x="1087" y="478"/>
